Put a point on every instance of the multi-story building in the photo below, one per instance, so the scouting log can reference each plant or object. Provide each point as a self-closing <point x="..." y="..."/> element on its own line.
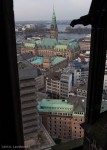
<point x="61" y="119"/>
<point x="104" y="103"/>
<point x="77" y="131"/>
<point x="65" y="84"/>
<point x="52" y="47"/>
<point x="53" y="84"/>
<point x="30" y="116"/>
<point x="40" y="81"/>
<point x="50" y="64"/>
<point x="84" y="72"/>
<point x="28" y="47"/>
<point x="35" y="134"/>
<point x="84" y="44"/>
<point x="39" y="78"/>
<point x="59" y="85"/>
<point x="80" y="72"/>
<point x="82" y="91"/>
<point x="105" y="83"/>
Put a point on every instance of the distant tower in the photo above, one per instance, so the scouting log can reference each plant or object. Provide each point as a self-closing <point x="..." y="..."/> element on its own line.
<point x="53" y="29"/>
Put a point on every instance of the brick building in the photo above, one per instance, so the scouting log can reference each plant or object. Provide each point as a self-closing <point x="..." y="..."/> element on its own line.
<point x="61" y="119"/>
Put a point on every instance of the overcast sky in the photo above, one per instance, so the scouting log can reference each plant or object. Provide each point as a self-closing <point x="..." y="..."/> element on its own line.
<point x="31" y="10"/>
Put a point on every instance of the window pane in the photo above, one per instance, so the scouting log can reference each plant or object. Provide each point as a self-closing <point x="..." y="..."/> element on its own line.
<point x="53" y="63"/>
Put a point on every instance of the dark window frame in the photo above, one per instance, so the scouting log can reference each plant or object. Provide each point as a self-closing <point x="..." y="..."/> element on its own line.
<point x="10" y="97"/>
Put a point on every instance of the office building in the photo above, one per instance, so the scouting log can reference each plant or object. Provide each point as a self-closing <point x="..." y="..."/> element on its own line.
<point x="61" y="118"/>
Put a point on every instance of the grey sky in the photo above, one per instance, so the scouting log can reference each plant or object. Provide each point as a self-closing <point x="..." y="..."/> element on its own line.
<point x="26" y="10"/>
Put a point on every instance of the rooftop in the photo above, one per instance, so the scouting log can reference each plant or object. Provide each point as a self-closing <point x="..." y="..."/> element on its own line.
<point x="65" y="42"/>
<point x="60" y="47"/>
<point x="29" y="45"/>
<point x="57" y="60"/>
<point x="26" y="70"/>
<point x="79" y="104"/>
<point x="73" y="45"/>
<point x="27" y="56"/>
<point x="38" y="60"/>
<point x="54" y="60"/>
<point x="55" y="105"/>
<point x="54" y="76"/>
<point x="47" y="43"/>
<point x="83" y="87"/>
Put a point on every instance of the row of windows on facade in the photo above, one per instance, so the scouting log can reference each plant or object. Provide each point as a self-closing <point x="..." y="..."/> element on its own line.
<point x="65" y="114"/>
<point x="79" y="90"/>
<point x="68" y="135"/>
<point x="60" y="126"/>
<point x="58" y="82"/>
<point x="44" y="107"/>
<point x="60" y="122"/>
<point x="74" y="118"/>
<point x="55" y="122"/>
<point x="55" y="88"/>
<point x="64" y="132"/>
<point x="62" y="114"/>
<point x="61" y="129"/>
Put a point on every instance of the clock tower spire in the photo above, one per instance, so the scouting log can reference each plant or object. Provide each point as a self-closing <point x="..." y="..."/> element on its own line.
<point x="53" y="28"/>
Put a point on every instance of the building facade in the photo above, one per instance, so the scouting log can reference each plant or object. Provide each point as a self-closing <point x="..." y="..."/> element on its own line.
<point x="28" y="47"/>
<point x="84" y="44"/>
<point x="59" y="85"/>
<point x="53" y="85"/>
<point x="48" y="47"/>
<point x="59" y="119"/>
<point x="30" y="116"/>
<point x="65" y="85"/>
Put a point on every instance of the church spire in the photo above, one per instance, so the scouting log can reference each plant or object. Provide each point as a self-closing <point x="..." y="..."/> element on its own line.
<point x="54" y="29"/>
<point x="53" y="10"/>
<point x="53" y="23"/>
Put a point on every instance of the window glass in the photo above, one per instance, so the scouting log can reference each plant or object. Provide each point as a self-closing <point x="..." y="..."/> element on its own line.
<point x="53" y="63"/>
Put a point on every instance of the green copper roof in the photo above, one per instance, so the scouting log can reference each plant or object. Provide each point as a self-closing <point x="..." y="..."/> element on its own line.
<point x="31" y="41"/>
<point x="56" y="60"/>
<point x="29" y="45"/>
<point x="38" y="42"/>
<point x="55" y="105"/>
<point x="60" y="47"/>
<point x="47" y="43"/>
<point x="64" y="42"/>
<point x="73" y="45"/>
<point x="39" y="61"/>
